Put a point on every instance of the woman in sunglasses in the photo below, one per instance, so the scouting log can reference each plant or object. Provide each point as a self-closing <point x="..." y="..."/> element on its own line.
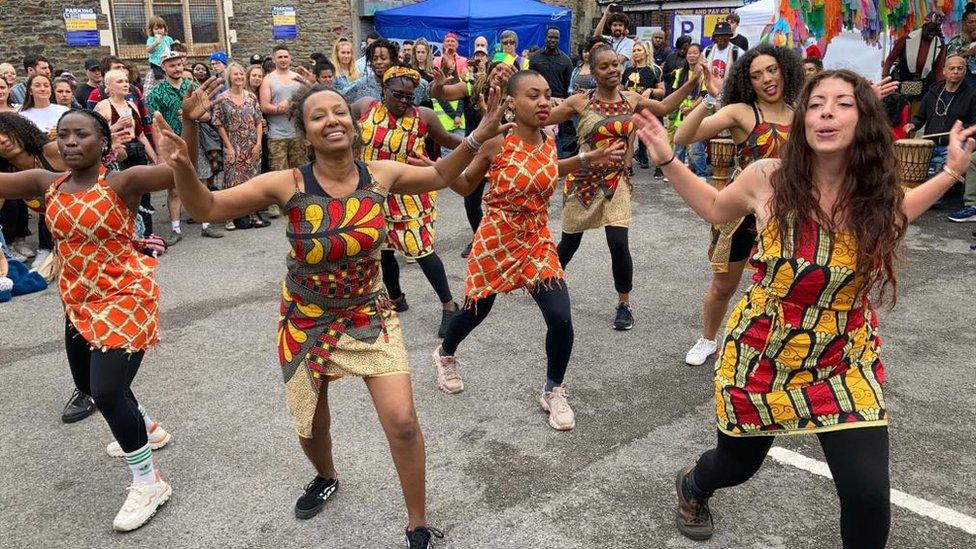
<point x="394" y="129"/>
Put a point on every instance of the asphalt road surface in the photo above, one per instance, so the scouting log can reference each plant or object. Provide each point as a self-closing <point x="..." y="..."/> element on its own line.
<point x="498" y="476"/>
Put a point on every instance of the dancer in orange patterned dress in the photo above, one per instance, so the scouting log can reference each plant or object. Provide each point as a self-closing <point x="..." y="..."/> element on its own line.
<point x="512" y="247"/>
<point x="107" y="287"/>
<point x="335" y="320"/>
<point x="802" y="350"/>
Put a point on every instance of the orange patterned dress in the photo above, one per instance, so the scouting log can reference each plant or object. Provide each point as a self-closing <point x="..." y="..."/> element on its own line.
<point x="801" y="348"/>
<point x="107" y="286"/>
<point x="512" y="247"/>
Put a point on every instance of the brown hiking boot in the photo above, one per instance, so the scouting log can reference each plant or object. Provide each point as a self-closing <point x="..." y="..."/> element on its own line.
<point x="693" y="518"/>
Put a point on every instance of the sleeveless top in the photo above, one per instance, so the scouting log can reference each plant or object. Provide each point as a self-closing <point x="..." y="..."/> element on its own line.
<point x="279" y="125"/>
<point x="801" y="347"/>
<point x="137" y="126"/>
<point x="108" y="289"/>
<point x="764" y="141"/>
<point x="512" y="246"/>
<point x="333" y="282"/>
<point x="600" y="125"/>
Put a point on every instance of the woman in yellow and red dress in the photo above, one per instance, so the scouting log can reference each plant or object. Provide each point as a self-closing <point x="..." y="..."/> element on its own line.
<point x="801" y="352"/>
<point x="393" y="128"/>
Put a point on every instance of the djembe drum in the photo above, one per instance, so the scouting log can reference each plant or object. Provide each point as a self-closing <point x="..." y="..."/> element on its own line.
<point x="722" y="154"/>
<point x="913" y="156"/>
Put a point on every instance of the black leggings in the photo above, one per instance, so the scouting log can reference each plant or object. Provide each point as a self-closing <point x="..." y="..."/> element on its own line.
<point x="107" y="377"/>
<point x="554" y="304"/>
<point x="858" y="461"/>
<point x="621" y="264"/>
<point x="44" y="239"/>
<point x="431" y="265"/>
<point x="472" y="205"/>
<point x="14" y="218"/>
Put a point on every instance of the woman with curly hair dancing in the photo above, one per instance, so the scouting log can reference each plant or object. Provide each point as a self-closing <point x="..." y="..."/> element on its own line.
<point x="801" y="352"/>
<point x="759" y="94"/>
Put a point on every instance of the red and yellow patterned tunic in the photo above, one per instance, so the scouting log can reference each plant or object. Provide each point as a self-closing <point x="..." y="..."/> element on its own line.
<point x="764" y="141"/>
<point x="409" y="217"/>
<point x="596" y="198"/>
<point x="107" y="286"/>
<point x="334" y="320"/>
<point x="801" y="349"/>
<point x="512" y="247"/>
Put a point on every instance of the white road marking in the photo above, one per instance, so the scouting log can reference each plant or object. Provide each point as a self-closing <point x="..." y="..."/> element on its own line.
<point x="916" y="505"/>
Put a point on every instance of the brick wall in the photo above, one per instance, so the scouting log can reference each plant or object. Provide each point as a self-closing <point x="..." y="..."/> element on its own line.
<point x="37" y="26"/>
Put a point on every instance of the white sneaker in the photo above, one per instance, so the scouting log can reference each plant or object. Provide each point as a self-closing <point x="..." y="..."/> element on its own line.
<point x="698" y="354"/>
<point x="561" y="416"/>
<point x="448" y="374"/>
<point x="24" y="250"/>
<point x="39" y="258"/>
<point x="158" y="437"/>
<point x="141" y="504"/>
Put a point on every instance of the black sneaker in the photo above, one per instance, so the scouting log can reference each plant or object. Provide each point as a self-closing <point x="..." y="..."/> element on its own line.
<point x="316" y="493"/>
<point x="466" y="251"/>
<point x="400" y="303"/>
<point x="79" y="407"/>
<point x="624" y="319"/>
<point x="446" y="317"/>
<point x="420" y="537"/>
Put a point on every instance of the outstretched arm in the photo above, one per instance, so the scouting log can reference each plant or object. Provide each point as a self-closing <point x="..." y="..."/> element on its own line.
<point x="737" y="199"/>
<point x="25" y="184"/>
<point x="437" y="131"/>
<point x="670" y="103"/>
<point x="960" y="150"/>
<point x="566" y="109"/>
<point x="699" y="126"/>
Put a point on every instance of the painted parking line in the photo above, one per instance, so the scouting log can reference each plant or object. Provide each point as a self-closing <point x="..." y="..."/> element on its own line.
<point x="916" y="505"/>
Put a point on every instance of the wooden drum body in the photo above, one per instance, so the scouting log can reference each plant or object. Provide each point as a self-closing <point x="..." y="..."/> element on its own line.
<point x="722" y="154"/>
<point x="913" y="156"/>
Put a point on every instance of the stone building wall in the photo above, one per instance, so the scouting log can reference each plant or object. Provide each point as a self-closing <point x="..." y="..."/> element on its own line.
<point x="37" y="26"/>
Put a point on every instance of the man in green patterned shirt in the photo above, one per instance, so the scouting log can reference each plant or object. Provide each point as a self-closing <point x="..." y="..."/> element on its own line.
<point x="167" y="98"/>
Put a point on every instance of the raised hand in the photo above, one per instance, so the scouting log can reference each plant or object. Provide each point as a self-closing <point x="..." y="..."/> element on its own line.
<point x="612" y="154"/>
<point x="712" y="85"/>
<point x="170" y="147"/>
<point x="886" y="87"/>
<point x="198" y="102"/>
<point x="438" y="75"/>
<point x="961" y="147"/>
<point x="305" y="75"/>
<point x="491" y="121"/>
<point x="654" y="136"/>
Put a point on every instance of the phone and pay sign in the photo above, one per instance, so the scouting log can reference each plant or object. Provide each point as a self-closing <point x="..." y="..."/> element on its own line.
<point x="698" y="27"/>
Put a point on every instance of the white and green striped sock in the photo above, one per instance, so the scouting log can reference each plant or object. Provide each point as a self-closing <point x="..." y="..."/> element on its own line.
<point x="145" y="418"/>
<point x="141" y="464"/>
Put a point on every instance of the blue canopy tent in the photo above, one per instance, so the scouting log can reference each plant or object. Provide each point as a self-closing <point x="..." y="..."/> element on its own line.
<point x="469" y="19"/>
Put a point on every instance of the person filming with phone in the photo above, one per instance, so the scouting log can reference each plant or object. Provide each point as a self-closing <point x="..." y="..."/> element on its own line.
<point x="619" y="24"/>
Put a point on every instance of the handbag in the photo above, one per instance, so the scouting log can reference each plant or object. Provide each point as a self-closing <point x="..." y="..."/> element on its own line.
<point x="50" y="268"/>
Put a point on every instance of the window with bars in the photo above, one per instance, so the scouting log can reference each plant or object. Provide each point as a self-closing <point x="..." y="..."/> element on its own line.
<point x="196" y="23"/>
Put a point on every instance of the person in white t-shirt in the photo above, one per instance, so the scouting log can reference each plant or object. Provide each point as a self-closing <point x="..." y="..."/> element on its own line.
<point x="38" y="106"/>
<point x="619" y="24"/>
<point x="721" y="54"/>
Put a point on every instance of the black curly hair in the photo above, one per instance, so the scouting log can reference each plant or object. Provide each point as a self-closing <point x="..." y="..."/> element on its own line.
<point x="738" y="86"/>
<point x="24" y="132"/>
<point x="297" y="110"/>
<point x="392" y="47"/>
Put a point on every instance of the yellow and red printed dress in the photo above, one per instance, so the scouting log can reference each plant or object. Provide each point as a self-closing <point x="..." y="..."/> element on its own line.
<point x="800" y="353"/>
<point x="600" y="196"/>
<point x="333" y="320"/>
<point x="108" y="288"/>
<point x="409" y="217"/>
<point x="512" y="247"/>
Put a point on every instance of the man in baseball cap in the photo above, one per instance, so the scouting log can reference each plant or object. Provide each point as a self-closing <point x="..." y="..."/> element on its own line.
<point x="721" y="54"/>
<point x="93" y="72"/>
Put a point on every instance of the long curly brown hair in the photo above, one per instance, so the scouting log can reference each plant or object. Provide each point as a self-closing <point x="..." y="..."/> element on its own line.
<point x="869" y="202"/>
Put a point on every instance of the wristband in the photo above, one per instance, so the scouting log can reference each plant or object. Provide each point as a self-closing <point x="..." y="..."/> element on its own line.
<point x="670" y="160"/>
<point x="953" y="174"/>
<point x="472" y="142"/>
<point x="584" y="165"/>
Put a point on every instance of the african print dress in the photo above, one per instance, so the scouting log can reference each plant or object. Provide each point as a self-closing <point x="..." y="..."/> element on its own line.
<point x="801" y="349"/>
<point x="764" y="141"/>
<point x="512" y="247"/>
<point x="600" y="197"/>
<point x="334" y="318"/>
<point x="409" y="217"/>
<point x="108" y="288"/>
